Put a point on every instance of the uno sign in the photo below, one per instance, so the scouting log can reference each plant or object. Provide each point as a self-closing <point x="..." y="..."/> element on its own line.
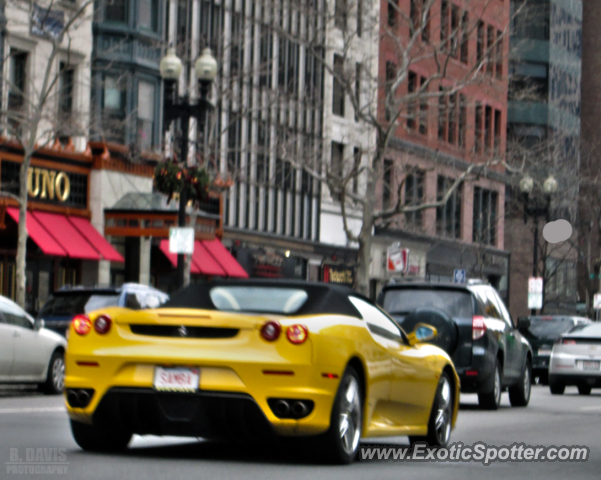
<point x="48" y="184"/>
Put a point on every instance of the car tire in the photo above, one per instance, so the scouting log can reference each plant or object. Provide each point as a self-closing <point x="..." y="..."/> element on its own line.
<point x="556" y="387"/>
<point x="99" y="439"/>
<point x="55" y="378"/>
<point x="519" y="394"/>
<point x="491" y="400"/>
<point x="340" y="443"/>
<point x="441" y="417"/>
<point x="584" y="389"/>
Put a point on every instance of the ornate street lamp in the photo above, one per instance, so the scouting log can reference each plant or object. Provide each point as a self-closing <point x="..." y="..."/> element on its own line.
<point x="181" y="107"/>
<point x="533" y="207"/>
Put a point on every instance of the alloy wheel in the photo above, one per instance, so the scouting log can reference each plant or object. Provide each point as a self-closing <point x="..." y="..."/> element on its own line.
<point x="58" y="374"/>
<point x="350" y="417"/>
<point x="443" y="415"/>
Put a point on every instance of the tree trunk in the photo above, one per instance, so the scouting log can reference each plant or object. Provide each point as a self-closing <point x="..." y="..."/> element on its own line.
<point x="22" y="232"/>
<point x="365" y="237"/>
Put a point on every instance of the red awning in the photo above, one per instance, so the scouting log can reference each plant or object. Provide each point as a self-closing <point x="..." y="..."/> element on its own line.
<point x="103" y="247"/>
<point x="205" y="261"/>
<point x="225" y="259"/>
<point x="38" y="234"/>
<point x="67" y="235"/>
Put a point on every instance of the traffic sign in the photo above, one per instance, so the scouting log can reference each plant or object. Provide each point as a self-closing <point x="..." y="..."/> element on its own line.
<point x="398" y="258"/>
<point x="597" y="301"/>
<point x="181" y="240"/>
<point x="459" y="276"/>
<point x="535" y="293"/>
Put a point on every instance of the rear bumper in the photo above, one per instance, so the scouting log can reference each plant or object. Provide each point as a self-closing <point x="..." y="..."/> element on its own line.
<point x="481" y="372"/>
<point x="213" y="415"/>
<point x="582" y="379"/>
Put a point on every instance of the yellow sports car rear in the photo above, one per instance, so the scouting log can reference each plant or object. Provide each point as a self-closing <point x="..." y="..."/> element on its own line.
<point x="257" y="359"/>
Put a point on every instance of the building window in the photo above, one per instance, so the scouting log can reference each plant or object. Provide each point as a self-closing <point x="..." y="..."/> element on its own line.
<point x="490" y="66"/>
<point x="498" y="131"/>
<point x="341" y="14"/>
<point x="66" y="81"/>
<point x="462" y="120"/>
<point x="414" y="195"/>
<point x="116" y="11"/>
<point x="358" y="71"/>
<point x="445" y="33"/>
<point x="485" y="216"/>
<point x="148" y="13"/>
<point x="337" y="168"/>
<point x="499" y="54"/>
<point x="448" y="216"/>
<point x="423" y="107"/>
<point x="356" y="166"/>
<point x="478" y="127"/>
<point x="390" y="78"/>
<point x="414" y="17"/>
<point x="146" y="105"/>
<point x="17" y="89"/>
<point x="488" y="128"/>
<point x="387" y="183"/>
<point x="359" y="17"/>
<point x="114" y="109"/>
<point x="453" y="113"/>
<point x="481" y="42"/>
<point x="338" y="91"/>
<point x="464" y="38"/>
<point x="442" y="114"/>
<point x="412" y="88"/>
<point x="392" y="12"/>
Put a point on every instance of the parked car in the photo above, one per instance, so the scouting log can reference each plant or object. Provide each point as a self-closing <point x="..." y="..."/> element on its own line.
<point x="475" y="329"/>
<point x="542" y="334"/>
<point x="64" y="304"/>
<point x="576" y="360"/>
<point x="246" y="358"/>
<point x="29" y="353"/>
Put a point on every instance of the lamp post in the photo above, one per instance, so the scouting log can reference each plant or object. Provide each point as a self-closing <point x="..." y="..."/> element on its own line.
<point x="181" y="107"/>
<point x="534" y="208"/>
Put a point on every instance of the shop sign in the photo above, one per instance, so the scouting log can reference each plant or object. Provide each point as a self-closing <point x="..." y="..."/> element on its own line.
<point x="398" y="258"/>
<point x="268" y="265"/>
<point x="340" y="274"/>
<point x="47" y="184"/>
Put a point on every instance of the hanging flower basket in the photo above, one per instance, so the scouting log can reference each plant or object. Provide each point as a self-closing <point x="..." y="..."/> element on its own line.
<point x="170" y="178"/>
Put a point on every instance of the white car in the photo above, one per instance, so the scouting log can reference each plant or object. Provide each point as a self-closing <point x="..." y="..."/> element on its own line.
<point x="29" y="353"/>
<point x="576" y="360"/>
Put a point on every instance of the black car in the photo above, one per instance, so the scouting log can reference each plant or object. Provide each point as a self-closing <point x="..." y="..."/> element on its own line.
<point x="475" y="329"/>
<point x="542" y="334"/>
<point x="64" y="304"/>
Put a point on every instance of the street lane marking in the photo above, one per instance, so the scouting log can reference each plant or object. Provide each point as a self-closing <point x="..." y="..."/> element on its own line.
<point x="33" y="410"/>
<point x="591" y="408"/>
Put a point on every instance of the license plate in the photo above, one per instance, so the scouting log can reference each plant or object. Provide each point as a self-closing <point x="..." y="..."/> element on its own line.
<point x="176" y="379"/>
<point x="590" y="364"/>
<point x="544" y="352"/>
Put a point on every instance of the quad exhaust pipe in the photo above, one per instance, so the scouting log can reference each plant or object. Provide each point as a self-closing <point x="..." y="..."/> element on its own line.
<point x="290" y="408"/>
<point x="80" y="397"/>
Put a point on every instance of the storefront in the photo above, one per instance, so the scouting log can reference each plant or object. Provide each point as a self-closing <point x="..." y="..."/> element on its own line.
<point x="62" y="242"/>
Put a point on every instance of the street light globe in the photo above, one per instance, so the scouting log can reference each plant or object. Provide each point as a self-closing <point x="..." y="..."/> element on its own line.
<point x="550" y="185"/>
<point x="170" y="66"/>
<point x="526" y="184"/>
<point x="206" y="66"/>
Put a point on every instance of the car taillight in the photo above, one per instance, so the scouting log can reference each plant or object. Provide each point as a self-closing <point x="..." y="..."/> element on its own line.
<point x="82" y="324"/>
<point x="297" y="334"/>
<point x="271" y="331"/>
<point x="102" y="324"/>
<point x="478" y="327"/>
<point x="567" y="341"/>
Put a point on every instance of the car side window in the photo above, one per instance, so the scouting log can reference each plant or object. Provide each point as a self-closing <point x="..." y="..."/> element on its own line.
<point x="493" y="306"/>
<point x="377" y="322"/>
<point x="502" y="309"/>
<point x="13" y="315"/>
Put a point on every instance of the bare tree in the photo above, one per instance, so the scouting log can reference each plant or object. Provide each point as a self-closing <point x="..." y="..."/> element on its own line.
<point x="31" y="118"/>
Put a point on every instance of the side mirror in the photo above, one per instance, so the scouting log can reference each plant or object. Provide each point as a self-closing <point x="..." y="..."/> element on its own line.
<point x="422" y="333"/>
<point x="523" y="323"/>
<point x="39" y="324"/>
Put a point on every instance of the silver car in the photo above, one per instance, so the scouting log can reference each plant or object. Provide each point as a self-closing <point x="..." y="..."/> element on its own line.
<point x="29" y="353"/>
<point x="576" y="360"/>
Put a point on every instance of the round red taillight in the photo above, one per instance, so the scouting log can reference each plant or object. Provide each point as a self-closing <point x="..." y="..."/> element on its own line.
<point x="271" y="331"/>
<point x="297" y="333"/>
<point x="81" y="324"/>
<point x="102" y="324"/>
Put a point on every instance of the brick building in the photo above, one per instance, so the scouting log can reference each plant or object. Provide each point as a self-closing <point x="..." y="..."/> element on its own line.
<point x="440" y="136"/>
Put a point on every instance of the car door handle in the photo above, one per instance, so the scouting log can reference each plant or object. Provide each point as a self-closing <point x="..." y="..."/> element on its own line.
<point x="16" y="334"/>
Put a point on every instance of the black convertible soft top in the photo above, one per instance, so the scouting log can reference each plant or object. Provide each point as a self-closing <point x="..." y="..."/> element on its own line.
<point x="323" y="298"/>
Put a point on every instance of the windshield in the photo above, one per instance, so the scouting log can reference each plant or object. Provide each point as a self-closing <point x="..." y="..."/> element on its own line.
<point x="456" y="303"/>
<point x="549" y="328"/>
<point x="76" y="303"/>
<point x="258" y="299"/>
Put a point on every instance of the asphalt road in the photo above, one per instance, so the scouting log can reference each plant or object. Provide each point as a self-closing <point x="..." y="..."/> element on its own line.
<point x="32" y="421"/>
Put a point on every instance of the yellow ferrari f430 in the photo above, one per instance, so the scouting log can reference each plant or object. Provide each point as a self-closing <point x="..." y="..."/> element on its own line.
<point x="247" y="358"/>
